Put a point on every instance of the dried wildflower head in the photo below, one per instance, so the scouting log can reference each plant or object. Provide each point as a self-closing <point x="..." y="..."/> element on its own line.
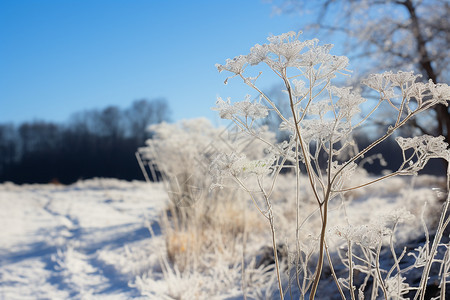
<point x="319" y="108"/>
<point x="251" y="110"/>
<point x="428" y="94"/>
<point x="233" y="166"/>
<point x="401" y="78"/>
<point x="323" y="130"/>
<point x="399" y="215"/>
<point x="440" y="93"/>
<point x="258" y="53"/>
<point x="246" y="109"/>
<point x="235" y="65"/>
<point x="424" y="148"/>
<point x="258" y="167"/>
<point x="288" y="51"/>
<point x="225" y="166"/>
<point x="348" y="103"/>
<point x="367" y="236"/>
<point x="378" y="82"/>
<point x="225" y="108"/>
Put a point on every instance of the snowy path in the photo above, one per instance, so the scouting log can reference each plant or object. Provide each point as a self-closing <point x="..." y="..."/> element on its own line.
<point x="61" y="242"/>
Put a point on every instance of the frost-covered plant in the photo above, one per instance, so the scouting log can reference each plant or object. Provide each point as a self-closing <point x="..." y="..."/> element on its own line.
<point x="321" y="121"/>
<point x="175" y="151"/>
<point x="197" y="222"/>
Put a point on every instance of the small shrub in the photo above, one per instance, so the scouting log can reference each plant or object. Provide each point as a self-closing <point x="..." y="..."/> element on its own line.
<point x="198" y="223"/>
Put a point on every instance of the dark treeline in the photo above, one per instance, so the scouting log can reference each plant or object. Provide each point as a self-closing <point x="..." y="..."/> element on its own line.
<point x="95" y="143"/>
<point x="102" y="143"/>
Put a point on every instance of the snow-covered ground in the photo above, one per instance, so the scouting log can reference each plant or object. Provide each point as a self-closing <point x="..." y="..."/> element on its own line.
<point x="91" y="240"/>
<point x="70" y="242"/>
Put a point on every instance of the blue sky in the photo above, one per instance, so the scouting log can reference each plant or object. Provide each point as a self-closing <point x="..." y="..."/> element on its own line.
<point x="58" y="57"/>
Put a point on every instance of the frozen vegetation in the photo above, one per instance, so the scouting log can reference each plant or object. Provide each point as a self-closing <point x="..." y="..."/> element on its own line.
<point x="91" y="240"/>
<point x="239" y="214"/>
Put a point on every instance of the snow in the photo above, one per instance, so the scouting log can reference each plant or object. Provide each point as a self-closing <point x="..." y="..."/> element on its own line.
<point x="60" y="242"/>
<point x="91" y="239"/>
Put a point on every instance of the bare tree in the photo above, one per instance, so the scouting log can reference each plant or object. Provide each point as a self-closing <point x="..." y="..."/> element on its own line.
<point x="388" y="35"/>
<point x="109" y="122"/>
<point x="38" y="136"/>
<point x="8" y="145"/>
<point x="143" y="113"/>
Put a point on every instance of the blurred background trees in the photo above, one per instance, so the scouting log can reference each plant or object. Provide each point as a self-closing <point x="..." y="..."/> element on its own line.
<point x="94" y="143"/>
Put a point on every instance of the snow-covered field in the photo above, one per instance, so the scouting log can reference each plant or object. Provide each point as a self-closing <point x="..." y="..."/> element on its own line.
<point x="91" y="240"/>
<point x="71" y="242"/>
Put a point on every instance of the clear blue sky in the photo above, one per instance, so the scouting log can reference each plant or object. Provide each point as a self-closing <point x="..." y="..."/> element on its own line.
<point x="58" y="57"/>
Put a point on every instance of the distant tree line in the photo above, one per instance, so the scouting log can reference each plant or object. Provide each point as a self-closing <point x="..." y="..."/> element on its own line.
<point x="93" y="143"/>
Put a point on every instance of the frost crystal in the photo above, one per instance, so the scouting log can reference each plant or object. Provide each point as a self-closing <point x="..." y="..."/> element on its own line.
<point x="287" y="126"/>
<point x="319" y="108"/>
<point x="426" y="146"/>
<point x="257" y="54"/>
<point x="300" y="89"/>
<point x="323" y="130"/>
<point x="348" y="102"/>
<point x="345" y="173"/>
<point x="440" y="92"/>
<point x="225" y="166"/>
<point x="226" y="110"/>
<point x="233" y="165"/>
<point x="235" y="65"/>
<point x="400" y="215"/>
<point x="245" y="109"/>
<point x="381" y="83"/>
<point x="251" y="110"/>
<point x="258" y="167"/>
<point x="421" y="257"/>
<point x="402" y="78"/>
<point x="396" y="286"/>
<point x="317" y="55"/>
<point x="378" y="82"/>
<point x="423" y="93"/>
<point x="368" y="236"/>
<point x="287" y="50"/>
